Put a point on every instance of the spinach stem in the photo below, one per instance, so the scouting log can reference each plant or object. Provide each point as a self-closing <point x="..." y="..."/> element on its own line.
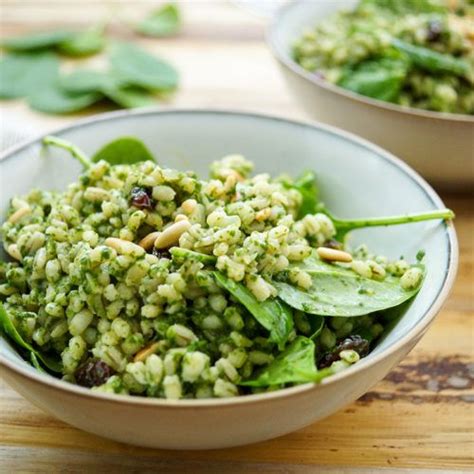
<point x="350" y="224"/>
<point x="75" y="151"/>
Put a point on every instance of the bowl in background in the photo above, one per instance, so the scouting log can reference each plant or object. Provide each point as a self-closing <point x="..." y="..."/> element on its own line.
<point x="356" y="179"/>
<point x="440" y="146"/>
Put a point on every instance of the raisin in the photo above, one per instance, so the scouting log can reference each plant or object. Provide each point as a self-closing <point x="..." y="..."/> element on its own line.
<point x="434" y="30"/>
<point x="93" y="373"/>
<point x="161" y="253"/>
<point x="354" y="343"/>
<point x="333" y="244"/>
<point x="140" y="198"/>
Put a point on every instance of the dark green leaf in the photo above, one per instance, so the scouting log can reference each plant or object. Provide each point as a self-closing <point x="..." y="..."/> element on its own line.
<point x="8" y="328"/>
<point x="380" y="79"/>
<point x="306" y="185"/>
<point x="47" y="39"/>
<point x="21" y="74"/>
<point x="338" y="291"/>
<point x="317" y="324"/>
<point x="137" y="67"/>
<point x="162" y="22"/>
<point x="296" y="364"/>
<point x="86" y="43"/>
<point x="272" y="314"/>
<point x="431" y="60"/>
<point x="180" y="255"/>
<point x="124" y="151"/>
<point x="52" y="99"/>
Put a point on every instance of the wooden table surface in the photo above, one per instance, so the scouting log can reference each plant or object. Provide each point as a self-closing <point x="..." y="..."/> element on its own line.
<point x="418" y="419"/>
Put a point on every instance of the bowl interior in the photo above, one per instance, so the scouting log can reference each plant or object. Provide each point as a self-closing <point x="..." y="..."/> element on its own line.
<point x="356" y="179"/>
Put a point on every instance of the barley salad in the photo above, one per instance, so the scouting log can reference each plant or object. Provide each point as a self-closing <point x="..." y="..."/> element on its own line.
<point x="144" y="280"/>
<point x="415" y="53"/>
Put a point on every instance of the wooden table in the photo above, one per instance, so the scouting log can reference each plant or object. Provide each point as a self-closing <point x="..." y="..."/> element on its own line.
<point x="419" y="418"/>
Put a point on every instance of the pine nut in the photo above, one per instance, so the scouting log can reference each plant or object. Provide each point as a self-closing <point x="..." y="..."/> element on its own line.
<point x="18" y="214"/>
<point x="180" y="217"/>
<point x="94" y="194"/>
<point x="334" y="255"/>
<point x="124" y="247"/>
<point x="14" y="252"/>
<point x="171" y="235"/>
<point x="142" y="354"/>
<point x="263" y="215"/>
<point x="189" y="205"/>
<point x="148" y="241"/>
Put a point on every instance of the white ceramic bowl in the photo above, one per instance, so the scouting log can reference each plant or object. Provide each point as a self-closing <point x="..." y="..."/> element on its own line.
<point x="439" y="146"/>
<point x="356" y="179"/>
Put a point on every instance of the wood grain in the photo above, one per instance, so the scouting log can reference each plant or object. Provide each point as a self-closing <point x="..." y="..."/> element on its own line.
<point x="419" y="418"/>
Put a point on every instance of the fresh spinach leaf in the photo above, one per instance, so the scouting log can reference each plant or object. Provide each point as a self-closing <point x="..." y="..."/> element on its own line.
<point x="344" y="226"/>
<point x="128" y="96"/>
<point x="123" y="151"/>
<point x="86" y="80"/>
<point x="338" y="291"/>
<point x="10" y="330"/>
<point x="317" y="324"/>
<point x="52" y="99"/>
<point x="164" y="21"/>
<point x="272" y="314"/>
<point x="180" y="255"/>
<point x="380" y="79"/>
<point x="431" y="60"/>
<point x="23" y="73"/>
<point x="75" y="152"/>
<point x="35" y="41"/>
<point x="134" y="66"/>
<point x="306" y="185"/>
<point x="86" y="43"/>
<point x="296" y="364"/>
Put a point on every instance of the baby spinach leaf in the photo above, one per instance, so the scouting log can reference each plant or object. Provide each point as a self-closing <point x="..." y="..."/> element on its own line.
<point x="272" y="314"/>
<point x="86" y="80"/>
<point x="128" y="96"/>
<point x="431" y="60"/>
<point x="24" y="73"/>
<point x="164" y="21"/>
<point x="344" y="226"/>
<point x="317" y="324"/>
<point x="52" y="99"/>
<point x="76" y="152"/>
<point x="296" y="364"/>
<point x="86" y="43"/>
<point x="180" y="255"/>
<point x="338" y="291"/>
<point x="10" y="330"/>
<point x="123" y="151"/>
<point x="35" y="41"/>
<point x="306" y="185"/>
<point x="135" y="66"/>
<point x="380" y="79"/>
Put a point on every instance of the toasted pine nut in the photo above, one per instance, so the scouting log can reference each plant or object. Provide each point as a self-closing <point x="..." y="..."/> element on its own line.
<point x="189" y="205"/>
<point x="148" y="241"/>
<point x="171" y="235"/>
<point x="18" y="214"/>
<point x="96" y="194"/>
<point x="124" y="247"/>
<point x="263" y="215"/>
<point x="334" y="255"/>
<point x="180" y="217"/>
<point x="142" y="354"/>
<point x="14" y="252"/>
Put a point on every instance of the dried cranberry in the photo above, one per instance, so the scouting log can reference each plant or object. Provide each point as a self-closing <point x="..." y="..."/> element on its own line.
<point x="354" y="343"/>
<point x="161" y="253"/>
<point x="140" y="198"/>
<point x="93" y="373"/>
<point x="434" y="30"/>
<point x="333" y="244"/>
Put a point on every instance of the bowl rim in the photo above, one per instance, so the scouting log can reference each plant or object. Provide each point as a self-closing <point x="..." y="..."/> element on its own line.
<point x="279" y="54"/>
<point x="415" y="332"/>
